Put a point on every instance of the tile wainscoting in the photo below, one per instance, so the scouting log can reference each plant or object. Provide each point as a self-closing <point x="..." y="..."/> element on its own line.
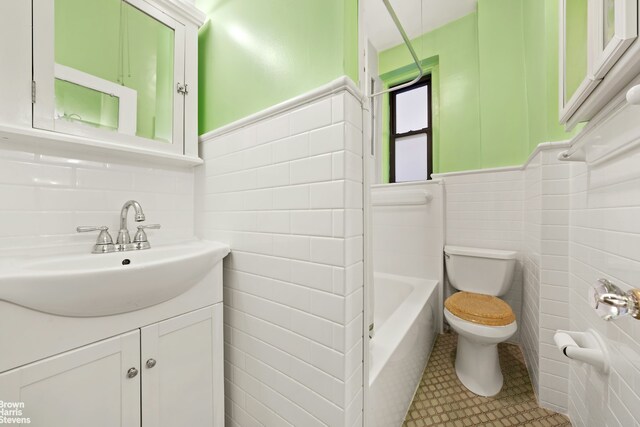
<point x="284" y="190"/>
<point x="524" y="209"/>
<point x="604" y="242"/>
<point x="46" y="196"/>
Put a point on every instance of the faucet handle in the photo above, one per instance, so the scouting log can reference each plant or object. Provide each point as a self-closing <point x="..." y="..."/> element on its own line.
<point x="104" y="238"/>
<point x="87" y="228"/>
<point x="149" y="226"/>
<point x="141" y="236"/>
<point x="104" y="243"/>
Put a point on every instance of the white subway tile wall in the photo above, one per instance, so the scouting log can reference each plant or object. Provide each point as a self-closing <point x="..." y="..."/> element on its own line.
<point x="286" y="194"/>
<point x="46" y="197"/>
<point x="553" y="382"/>
<point x="484" y="210"/>
<point x="546" y="265"/>
<point x="526" y="210"/>
<point x="408" y="239"/>
<point x="531" y="249"/>
<point x="604" y="242"/>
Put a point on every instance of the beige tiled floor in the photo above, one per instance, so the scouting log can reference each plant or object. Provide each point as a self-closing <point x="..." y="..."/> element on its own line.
<point x="442" y="400"/>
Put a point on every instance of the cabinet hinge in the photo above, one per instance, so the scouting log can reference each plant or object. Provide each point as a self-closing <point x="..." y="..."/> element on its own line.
<point x="33" y="91"/>
<point x="183" y="89"/>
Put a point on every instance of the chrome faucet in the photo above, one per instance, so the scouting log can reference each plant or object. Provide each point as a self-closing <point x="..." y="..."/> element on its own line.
<point x="124" y="238"/>
<point x="123" y="243"/>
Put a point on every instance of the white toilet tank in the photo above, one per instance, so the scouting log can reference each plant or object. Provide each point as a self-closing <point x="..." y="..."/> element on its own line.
<point x="482" y="271"/>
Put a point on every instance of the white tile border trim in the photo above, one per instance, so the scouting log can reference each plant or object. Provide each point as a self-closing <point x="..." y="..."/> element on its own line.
<point x="340" y="84"/>
<point x="407" y="184"/>
<point x="476" y="171"/>
<point x="541" y="147"/>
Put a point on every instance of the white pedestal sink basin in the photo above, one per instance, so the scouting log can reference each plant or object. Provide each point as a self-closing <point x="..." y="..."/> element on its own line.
<point x="90" y="285"/>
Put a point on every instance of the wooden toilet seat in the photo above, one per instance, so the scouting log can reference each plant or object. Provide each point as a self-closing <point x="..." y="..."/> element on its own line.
<point x="478" y="308"/>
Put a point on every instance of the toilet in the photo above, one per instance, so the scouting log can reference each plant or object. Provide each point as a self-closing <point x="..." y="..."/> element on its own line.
<point x="481" y="319"/>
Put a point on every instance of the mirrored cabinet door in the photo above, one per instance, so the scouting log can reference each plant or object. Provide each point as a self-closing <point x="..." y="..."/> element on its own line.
<point x="111" y="70"/>
<point x="576" y="32"/>
<point x="615" y="26"/>
<point x="594" y="35"/>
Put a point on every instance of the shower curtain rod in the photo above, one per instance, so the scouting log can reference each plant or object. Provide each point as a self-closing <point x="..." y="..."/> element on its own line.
<point x="393" y="15"/>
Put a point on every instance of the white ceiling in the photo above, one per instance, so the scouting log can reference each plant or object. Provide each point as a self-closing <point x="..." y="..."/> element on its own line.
<point x="435" y="13"/>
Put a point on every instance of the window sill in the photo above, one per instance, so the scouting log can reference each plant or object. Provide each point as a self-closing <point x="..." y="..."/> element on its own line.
<point x="23" y="139"/>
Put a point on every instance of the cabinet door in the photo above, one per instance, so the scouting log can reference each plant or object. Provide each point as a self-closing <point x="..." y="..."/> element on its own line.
<point x="616" y="26"/>
<point x="182" y="371"/>
<point x="84" y="387"/>
<point x="576" y="37"/>
<point x="109" y="70"/>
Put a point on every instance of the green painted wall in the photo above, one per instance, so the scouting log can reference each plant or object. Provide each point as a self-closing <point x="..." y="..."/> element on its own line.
<point x="498" y="84"/>
<point x="503" y="101"/>
<point x="535" y="61"/>
<point x="541" y="32"/>
<point x="255" y="54"/>
<point x="456" y="95"/>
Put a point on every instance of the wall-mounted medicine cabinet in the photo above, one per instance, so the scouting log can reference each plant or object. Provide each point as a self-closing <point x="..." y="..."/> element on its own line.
<point x="118" y="74"/>
<point x="596" y="37"/>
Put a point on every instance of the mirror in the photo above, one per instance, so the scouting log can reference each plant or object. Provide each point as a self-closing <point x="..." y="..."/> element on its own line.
<point x="609" y="22"/>
<point x="615" y="23"/>
<point x="575" y="47"/>
<point x="113" y="68"/>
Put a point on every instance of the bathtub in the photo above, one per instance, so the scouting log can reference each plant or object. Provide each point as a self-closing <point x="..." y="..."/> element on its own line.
<point x="407" y="320"/>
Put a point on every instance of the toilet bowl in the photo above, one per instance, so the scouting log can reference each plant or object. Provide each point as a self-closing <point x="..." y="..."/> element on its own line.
<point x="481" y="320"/>
<point x="477" y="362"/>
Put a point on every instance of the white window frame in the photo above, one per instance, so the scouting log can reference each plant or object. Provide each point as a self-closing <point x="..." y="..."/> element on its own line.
<point x="44" y="73"/>
<point x="127" y="97"/>
<point x="626" y="31"/>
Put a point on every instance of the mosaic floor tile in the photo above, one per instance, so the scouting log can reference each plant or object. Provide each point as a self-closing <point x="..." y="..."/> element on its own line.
<point x="442" y="400"/>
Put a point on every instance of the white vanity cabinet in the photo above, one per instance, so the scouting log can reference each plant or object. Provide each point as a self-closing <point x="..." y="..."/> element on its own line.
<point x="182" y="370"/>
<point x="166" y="374"/>
<point x="88" y="386"/>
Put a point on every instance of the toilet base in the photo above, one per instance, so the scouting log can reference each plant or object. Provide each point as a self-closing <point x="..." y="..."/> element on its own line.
<point x="478" y="367"/>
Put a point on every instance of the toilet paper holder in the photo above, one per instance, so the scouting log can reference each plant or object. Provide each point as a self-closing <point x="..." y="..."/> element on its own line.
<point x="587" y="347"/>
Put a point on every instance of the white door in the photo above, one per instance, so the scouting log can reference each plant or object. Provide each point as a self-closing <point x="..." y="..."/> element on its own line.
<point x="91" y="386"/>
<point x="182" y="371"/>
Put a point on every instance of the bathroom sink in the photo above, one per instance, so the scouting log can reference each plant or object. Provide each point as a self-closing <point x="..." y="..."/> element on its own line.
<point x="90" y="285"/>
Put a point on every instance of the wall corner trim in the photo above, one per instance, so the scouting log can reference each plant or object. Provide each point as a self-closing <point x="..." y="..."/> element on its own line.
<point x="546" y="146"/>
<point x="343" y="83"/>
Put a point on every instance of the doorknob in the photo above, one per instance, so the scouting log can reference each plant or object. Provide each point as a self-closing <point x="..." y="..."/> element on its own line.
<point x="151" y="363"/>
<point x="611" y="302"/>
<point x="132" y="373"/>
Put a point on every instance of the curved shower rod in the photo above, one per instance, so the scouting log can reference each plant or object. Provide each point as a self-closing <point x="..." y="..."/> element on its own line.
<point x="407" y="41"/>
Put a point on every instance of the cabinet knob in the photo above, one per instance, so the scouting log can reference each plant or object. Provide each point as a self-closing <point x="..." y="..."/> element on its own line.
<point x="132" y="373"/>
<point x="151" y="363"/>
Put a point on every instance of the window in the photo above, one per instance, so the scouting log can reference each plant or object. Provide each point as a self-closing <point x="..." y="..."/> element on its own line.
<point x="411" y="140"/>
